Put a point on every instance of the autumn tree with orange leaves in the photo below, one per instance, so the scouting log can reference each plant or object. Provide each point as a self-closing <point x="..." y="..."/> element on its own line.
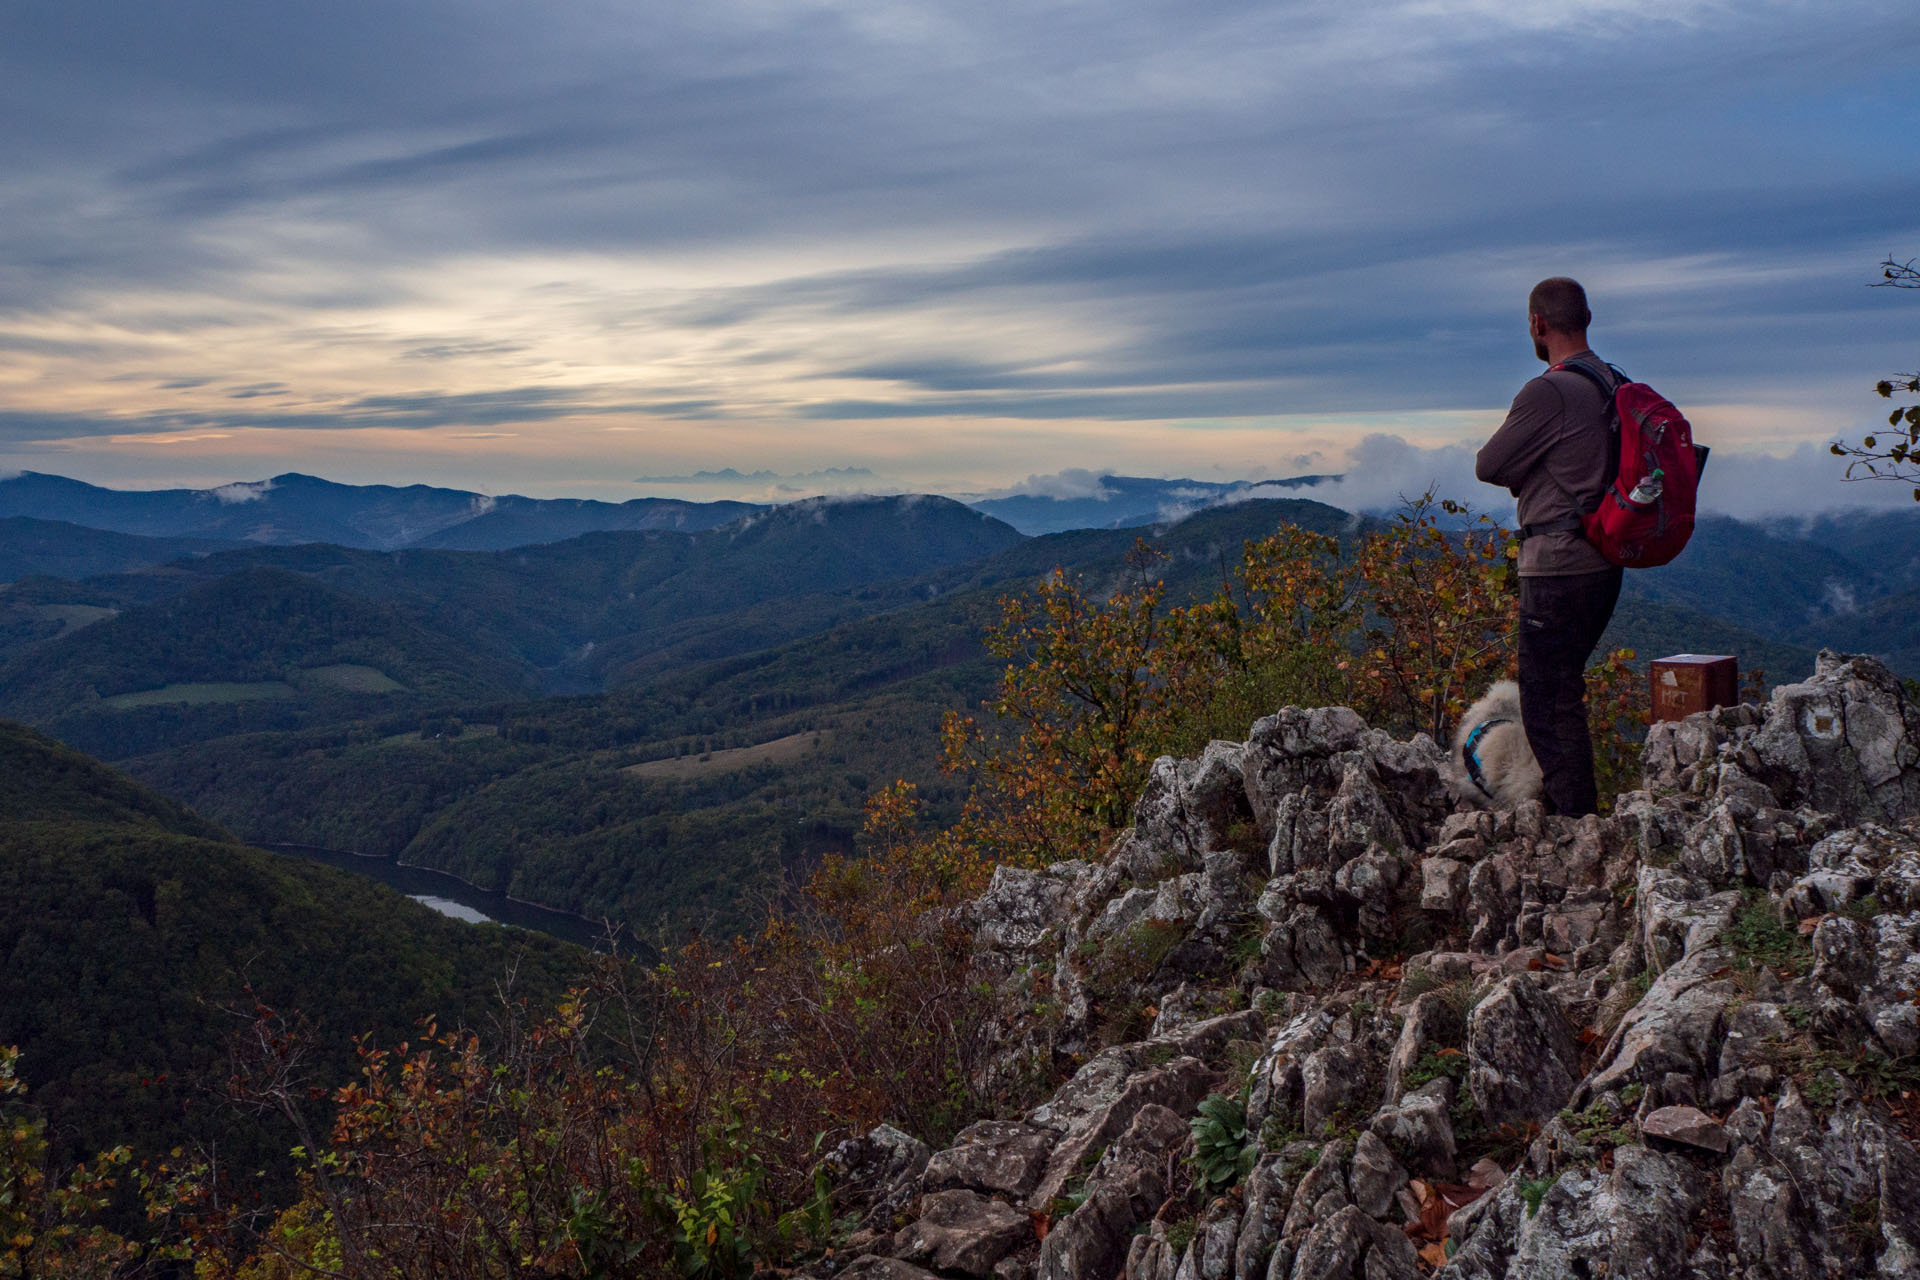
<point x="1406" y="624"/>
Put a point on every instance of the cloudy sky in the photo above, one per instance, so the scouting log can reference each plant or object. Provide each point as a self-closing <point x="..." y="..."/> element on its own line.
<point x="601" y="247"/>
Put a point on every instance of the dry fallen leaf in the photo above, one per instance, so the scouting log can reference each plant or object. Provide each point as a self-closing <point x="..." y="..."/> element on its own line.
<point x="1434" y="1255"/>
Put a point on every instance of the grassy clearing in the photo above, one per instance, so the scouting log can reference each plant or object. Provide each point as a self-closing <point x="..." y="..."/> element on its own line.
<point x="73" y="616"/>
<point x="175" y="694"/>
<point x="785" y="750"/>
<point x="350" y="678"/>
<point x="414" y="737"/>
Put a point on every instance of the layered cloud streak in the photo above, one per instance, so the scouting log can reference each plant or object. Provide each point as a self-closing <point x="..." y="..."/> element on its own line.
<point x="672" y="220"/>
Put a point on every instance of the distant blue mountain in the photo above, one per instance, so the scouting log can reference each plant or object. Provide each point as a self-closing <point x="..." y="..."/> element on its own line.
<point x="296" y="508"/>
<point x="1125" y="502"/>
<point x="293" y="508"/>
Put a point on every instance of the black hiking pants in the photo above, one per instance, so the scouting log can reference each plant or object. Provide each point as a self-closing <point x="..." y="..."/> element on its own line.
<point x="1561" y="619"/>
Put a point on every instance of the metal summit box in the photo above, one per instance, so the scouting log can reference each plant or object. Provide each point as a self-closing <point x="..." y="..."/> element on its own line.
<point x="1690" y="682"/>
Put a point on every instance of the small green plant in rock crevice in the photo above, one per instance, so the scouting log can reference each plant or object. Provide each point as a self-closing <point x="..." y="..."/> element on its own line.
<point x="1760" y="941"/>
<point x="1599" y="1126"/>
<point x="1222" y="1153"/>
<point x="1433" y="1065"/>
<point x="1249" y="932"/>
<point x="1533" y="1191"/>
<point x="1131" y="956"/>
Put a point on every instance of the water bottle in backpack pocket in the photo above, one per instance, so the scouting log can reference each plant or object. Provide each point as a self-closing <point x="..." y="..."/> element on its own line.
<point x="1646" y="514"/>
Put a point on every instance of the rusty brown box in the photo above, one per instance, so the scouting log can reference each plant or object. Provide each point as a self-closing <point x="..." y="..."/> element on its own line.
<point x="1690" y="682"/>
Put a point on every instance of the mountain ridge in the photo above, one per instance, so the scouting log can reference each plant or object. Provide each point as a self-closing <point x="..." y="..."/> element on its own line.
<point x="293" y="508"/>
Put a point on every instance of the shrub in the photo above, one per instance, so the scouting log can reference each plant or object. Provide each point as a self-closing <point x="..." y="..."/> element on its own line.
<point x="1406" y="624"/>
<point x="1222" y="1150"/>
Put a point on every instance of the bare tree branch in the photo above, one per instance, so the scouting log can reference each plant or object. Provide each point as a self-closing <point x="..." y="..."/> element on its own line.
<point x="1892" y="454"/>
<point x="1895" y="274"/>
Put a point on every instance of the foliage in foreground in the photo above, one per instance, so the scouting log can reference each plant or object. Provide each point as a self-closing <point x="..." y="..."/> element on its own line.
<point x="47" y="1219"/>
<point x="1406" y="624"/>
<point x="662" y="1119"/>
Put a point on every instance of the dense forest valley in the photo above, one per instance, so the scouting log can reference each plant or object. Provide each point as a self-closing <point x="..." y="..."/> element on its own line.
<point x="721" y="735"/>
<point x="661" y="727"/>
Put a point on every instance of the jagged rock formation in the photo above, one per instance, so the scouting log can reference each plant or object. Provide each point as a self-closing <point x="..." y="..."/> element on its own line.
<point x="1677" y="1041"/>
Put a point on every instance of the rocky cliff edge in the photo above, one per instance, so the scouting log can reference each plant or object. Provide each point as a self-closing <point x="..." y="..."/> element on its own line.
<point x="1327" y="1027"/>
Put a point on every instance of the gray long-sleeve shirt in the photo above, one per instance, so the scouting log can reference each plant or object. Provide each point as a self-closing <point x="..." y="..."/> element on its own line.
<point x="1551" y="454"/>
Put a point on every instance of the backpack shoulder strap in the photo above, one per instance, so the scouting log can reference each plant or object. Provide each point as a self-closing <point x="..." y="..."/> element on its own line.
<point x="1608" y="379"/>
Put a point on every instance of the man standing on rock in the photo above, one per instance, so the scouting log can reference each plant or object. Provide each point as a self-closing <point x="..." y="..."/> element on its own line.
<point x="1553" y="453"/>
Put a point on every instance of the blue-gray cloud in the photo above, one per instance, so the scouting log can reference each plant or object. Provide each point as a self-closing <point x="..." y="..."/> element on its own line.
<point x="421" y="411"/>
<point x="1297" y="207"/>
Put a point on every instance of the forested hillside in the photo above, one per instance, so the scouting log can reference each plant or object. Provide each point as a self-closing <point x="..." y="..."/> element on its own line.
<point x="130" y="927"/>
<point x="577" y="609"/>
<point x="60" y="549"/>
<point x="691" y="799"/>
<point x="738" y="691"/>
<point x="253" y="649"/>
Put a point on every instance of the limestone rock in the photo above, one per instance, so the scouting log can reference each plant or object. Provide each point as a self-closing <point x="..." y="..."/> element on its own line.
<point x="1632" y="1223"/>
<point x="964" y="1232"/>
<point x="1321" y="1192"/>
<point x="1124" y="1189"/>
<point x="1522" y="1059"/>
<point x="1846" y="742"/>
<point x="1677" y="1027"/>
<point x="1419" y="1131"/>
<point x="1177" y="1086"/>
<point x="992" y="1156"/>
<point x="1301" y="952"/>
<point x="880" y="1171"/>
<point x="1688" y="1126"/>
<point x="1375" y="1177"/>
<point x="1268" y="1194"/>
<point x="1332" y="1080"/>
<point x="1813" y="798"/>
<point x="1351" y="1246"/>
<point x="1020" y="905"/>
<point x="1190" y="808"/>
<point x="1443" y="885"/>
<point x="1433" y="1023"/>
<point x="1275" y="1078"/>
<point x="873" y="1268"/>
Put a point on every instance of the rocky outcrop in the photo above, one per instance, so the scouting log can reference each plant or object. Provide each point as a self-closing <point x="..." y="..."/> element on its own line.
<point x="1679" y="1040"/>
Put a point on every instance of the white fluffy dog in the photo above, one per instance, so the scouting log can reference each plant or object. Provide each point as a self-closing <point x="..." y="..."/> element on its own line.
<point x="1493" y="766"/>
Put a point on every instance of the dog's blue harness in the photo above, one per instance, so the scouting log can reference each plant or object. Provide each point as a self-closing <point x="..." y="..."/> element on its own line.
<point x="1470" y="753"/>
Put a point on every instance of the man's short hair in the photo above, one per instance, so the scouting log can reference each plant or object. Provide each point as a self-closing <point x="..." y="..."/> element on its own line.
<point x="1562" y="303"/>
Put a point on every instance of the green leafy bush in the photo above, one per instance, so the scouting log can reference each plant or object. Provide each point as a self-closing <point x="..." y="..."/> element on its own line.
<point x="1222" y="1151"/>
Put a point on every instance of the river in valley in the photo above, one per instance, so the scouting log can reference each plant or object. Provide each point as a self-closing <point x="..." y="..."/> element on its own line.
<point x="452" y="896"/>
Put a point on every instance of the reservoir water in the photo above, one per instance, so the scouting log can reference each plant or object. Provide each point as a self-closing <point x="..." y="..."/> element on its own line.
<point x="452" y="896"/>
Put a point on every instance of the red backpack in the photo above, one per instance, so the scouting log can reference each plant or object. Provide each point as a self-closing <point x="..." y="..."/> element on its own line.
<point x="1645" y="515"/>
